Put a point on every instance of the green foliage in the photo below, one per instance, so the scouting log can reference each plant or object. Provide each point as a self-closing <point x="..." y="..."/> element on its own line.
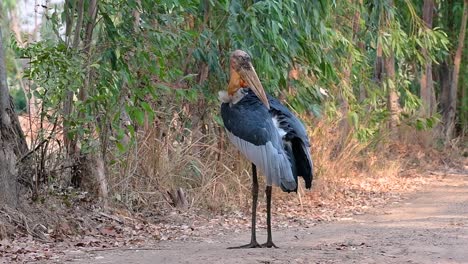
<point x="177" y="52"/>
<point x="19" y="99"/>
<point x="7" y="4"/>
<point x="55" y="70"/>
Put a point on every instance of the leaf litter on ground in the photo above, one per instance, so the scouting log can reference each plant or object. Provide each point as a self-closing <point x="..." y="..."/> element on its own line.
<point x="90" y="228"/>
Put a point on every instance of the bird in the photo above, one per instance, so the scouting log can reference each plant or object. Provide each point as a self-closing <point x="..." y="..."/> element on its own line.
<point x="267" y="133"/>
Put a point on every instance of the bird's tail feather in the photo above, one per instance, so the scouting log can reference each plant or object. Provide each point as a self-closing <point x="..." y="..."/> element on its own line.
<point x="303" y="162"/>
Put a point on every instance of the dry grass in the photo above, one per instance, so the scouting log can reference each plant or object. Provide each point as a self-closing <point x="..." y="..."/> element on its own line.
<point x="160" y="162"/>
<point x="217" y="180"/>
<point x="216" y="177"/>
<point x="167" y="156"/>
<point x="166" y="159"/>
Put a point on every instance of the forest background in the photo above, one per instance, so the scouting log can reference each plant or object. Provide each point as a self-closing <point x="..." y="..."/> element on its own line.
<point x="115" y="102"/>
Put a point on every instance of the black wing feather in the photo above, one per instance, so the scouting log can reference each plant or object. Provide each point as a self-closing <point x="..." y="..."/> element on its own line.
<point x="250" y="120"/>
<point x="296" y="135"/>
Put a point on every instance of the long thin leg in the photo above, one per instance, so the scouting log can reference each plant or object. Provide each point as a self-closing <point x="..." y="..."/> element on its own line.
<point x="269" y="242"/>
<point x="253" y="238"/>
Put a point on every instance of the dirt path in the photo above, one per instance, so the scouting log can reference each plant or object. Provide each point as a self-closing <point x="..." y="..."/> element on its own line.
<point x="429" y="227"/>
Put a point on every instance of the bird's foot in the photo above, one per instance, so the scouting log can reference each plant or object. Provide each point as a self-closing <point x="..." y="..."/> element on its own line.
<point x="252" y="244"/>
<point x="269" y="244"/>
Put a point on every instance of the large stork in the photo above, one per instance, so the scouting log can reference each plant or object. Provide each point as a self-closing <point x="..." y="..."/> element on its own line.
<point x="268" y="135"/>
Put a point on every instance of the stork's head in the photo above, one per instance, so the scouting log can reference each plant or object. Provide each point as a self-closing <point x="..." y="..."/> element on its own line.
<point x="243" y="75"/>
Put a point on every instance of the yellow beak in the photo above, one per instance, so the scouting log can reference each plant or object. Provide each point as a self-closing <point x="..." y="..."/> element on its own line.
<point x="249" y="75"/>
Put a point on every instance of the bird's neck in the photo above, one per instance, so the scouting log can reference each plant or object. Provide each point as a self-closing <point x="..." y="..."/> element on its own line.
<point x="231" y="99"/>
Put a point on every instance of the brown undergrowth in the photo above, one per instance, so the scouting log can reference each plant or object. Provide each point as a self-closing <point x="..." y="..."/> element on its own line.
<point x="216" y="179"/>
<point x="175" y="184"/>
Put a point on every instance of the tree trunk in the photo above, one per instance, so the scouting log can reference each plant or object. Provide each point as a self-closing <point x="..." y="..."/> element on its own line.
<point x="89" y="169"/>
<point x="8" y="173"/>
<point x="346" y="88"/>
<point x="12" y="141"/>
<point x="136" y="16"/>
<point x="361" y="46"/>
<point x="450" y="113"/>
<point x="444" y="69"/>
<point x="426" y="82"/>
<point x="445" y="76"/>
<point x="97" y="164"/>
<point x="70" y="141"/>
<point x="378" y="66"/>
<point x="393" y="98"/>
<point x="393" y="104"/>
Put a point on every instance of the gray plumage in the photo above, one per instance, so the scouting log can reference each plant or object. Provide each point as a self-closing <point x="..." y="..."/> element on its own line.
<point x="271" y="159"/>
<point x="274" y="140"/>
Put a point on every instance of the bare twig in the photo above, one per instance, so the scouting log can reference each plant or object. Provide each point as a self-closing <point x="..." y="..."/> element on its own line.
<point x="115" y="218"/>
